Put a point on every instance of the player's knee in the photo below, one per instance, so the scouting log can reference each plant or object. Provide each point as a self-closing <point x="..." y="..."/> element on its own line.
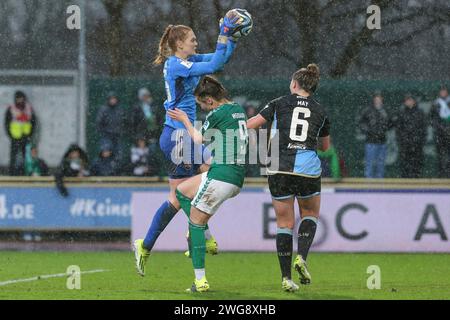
<point x="198" y="221"/>
<point x="285" y="220"/>
<point x="198" y="217"/>
<point x="174" y="201"/>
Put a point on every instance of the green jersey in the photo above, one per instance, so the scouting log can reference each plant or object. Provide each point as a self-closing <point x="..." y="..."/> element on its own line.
<point x="226" y="127"/>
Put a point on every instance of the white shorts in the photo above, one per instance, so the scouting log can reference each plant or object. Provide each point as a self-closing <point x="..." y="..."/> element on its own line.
<point x="212" y="193"/>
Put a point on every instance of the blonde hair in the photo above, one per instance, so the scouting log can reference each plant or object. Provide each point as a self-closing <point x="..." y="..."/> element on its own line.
<point x="168" y="42"/>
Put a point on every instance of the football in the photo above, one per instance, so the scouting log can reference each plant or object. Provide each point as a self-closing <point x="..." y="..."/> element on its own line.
<point x="245" y="22"/>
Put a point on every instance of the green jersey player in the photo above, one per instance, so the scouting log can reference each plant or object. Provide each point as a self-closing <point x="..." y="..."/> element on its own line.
<point x="202" y="195"/>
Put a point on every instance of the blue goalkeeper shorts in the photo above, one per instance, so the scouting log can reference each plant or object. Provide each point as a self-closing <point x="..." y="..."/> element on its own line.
<point x="183" y="157"/>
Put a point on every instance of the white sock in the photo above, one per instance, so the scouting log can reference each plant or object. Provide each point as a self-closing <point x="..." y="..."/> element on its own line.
<point x="199" y="273"/>
<point x="208" y="234"/>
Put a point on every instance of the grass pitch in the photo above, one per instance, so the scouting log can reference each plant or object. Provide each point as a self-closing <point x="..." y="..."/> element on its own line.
<point x="231" y="276"/>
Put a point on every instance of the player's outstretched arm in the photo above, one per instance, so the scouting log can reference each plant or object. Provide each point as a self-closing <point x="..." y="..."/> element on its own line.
<point x="205" y="57"/>
<point x="180" y="115"/>
<point x="256" y="122"/>
<point x="219" y="58"/>
<point x="231" y="45"/>
<point x="232" y="41"/>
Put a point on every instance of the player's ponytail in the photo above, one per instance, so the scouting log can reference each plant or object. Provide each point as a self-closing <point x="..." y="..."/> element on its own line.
<point x="168" y="42"/>
<point x="210" y="86"/>
<point x="308" y="78"/>
<point x="163" y="50"/>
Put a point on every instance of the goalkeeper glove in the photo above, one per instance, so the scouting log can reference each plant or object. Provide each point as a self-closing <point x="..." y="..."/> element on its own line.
<point x="231" y="37"/>
<point x="228" y="25"/>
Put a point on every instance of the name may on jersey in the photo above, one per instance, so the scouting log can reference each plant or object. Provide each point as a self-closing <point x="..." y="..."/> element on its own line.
<point x="296" y="145"/>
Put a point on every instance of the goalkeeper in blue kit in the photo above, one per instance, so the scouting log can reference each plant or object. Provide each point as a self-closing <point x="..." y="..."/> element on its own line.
<point x="183" y="68"/>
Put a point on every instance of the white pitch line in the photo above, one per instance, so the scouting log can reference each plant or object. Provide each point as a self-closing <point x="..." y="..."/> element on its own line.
<point x="48" y="276"/>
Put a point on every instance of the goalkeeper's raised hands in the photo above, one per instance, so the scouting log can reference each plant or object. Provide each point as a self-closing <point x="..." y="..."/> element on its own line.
<point x="228" y="24"/>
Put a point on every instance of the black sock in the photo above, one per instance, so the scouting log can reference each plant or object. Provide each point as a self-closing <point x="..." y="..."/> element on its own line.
<point x="306" y="233"/>
<point x="284" y="250"/>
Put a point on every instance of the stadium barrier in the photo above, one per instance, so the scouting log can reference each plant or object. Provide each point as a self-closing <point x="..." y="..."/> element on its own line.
<point x="384" y="217"/>
<point x="356" y="215"/>
<point x="92" y="204"/>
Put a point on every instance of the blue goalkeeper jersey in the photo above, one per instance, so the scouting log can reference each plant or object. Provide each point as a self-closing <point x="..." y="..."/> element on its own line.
<point x="182" y="76"/>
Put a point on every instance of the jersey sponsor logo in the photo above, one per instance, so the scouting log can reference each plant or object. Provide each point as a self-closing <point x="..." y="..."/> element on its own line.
<point x="298" y="146"/>
<point x="187" y="64"/>
<point x="238" y="116"/>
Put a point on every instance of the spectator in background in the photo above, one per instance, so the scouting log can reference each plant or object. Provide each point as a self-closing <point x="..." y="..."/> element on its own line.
<point x="73" y="164"/>
<point x="105" y="165"/>
<point x="145" y="118"/>
<point x="34" y="166"/>
<point x="111" y="125"/>
<point x="141" y="159"/>
<point x="20" y="122"/>
<point x="374" y="124"/>
<point x="411" y="133"/>
<point x="146" y="123"/>
<point x="440" y="121"/>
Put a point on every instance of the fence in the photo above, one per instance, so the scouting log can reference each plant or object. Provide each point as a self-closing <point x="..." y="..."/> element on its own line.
<point x="343" y="99"/>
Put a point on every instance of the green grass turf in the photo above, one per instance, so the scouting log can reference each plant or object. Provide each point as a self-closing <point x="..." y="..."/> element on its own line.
<point x="231" y="276"/>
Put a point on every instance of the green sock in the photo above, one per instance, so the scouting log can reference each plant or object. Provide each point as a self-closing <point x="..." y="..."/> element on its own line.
<point x="198" y="245"/>
<point x="185" y="204"/>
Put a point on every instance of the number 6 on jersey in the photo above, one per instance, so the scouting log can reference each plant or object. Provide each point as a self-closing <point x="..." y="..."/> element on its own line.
<point x="296" y="121"/>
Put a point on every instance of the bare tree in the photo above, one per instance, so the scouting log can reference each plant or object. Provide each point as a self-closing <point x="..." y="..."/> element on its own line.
<point x="35" y="35"/>
<point x="312" y="19"/>
<point x="123" y="36"/>
<point x="115" y="10"/>
<point x="359" y="40"/>
<point x="193" y="11"/>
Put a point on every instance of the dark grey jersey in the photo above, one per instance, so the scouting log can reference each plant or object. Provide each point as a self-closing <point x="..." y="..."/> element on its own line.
<point x="299" y="122"/>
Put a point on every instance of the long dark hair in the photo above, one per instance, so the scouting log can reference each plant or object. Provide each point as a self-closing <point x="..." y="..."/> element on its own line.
<point x="210" y="86"/>
<point x="307" y="78"/>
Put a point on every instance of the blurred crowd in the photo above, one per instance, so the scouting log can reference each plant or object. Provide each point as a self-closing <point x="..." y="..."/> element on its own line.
<point x="411" y="125"/>
<point x="115" y="126"/>
<point x="141" y="125"/>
